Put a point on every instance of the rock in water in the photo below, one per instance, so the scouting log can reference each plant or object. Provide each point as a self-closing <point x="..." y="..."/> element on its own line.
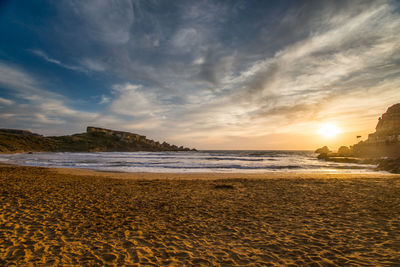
<point x="323" y="150"/>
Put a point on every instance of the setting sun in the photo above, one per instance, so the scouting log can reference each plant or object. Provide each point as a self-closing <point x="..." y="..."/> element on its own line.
<point x="329" y="130"/>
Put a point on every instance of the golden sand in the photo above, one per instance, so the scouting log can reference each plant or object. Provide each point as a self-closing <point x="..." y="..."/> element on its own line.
<point x="76" y="217"/>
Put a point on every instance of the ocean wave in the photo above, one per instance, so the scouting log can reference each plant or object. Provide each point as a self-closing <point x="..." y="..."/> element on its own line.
<point x="232" y="158"/>
<point x="239" y="167"/>
<point x="213" y="161"/>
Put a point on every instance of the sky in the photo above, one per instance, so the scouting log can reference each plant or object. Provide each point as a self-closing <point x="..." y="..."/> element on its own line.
<point x="204" y="74"/>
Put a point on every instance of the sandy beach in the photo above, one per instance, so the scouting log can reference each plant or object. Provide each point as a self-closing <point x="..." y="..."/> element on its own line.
<point x="79" y="217"/>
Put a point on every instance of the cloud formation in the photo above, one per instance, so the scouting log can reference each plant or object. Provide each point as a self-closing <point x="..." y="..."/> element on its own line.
<point x="36" y="108"/>
<point x="104" y="21"/>
<point x="216" y="71"/>
<point x="7" y="102"/>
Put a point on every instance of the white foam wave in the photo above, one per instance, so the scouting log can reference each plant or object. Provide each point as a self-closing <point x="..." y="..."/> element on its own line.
<point x="206" y="161"/>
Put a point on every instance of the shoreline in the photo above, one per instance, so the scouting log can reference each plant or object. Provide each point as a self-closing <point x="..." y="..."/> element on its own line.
<point x="217" y="176"/>
<point x="205" y="175"/>
<point x="307" y="166"/>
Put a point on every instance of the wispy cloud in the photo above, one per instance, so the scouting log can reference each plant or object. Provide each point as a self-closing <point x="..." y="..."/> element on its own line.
<point x="43" y="55"/>
<point x="138" y="105"/>
<point x="104" y="21"/>
<point x="4" y="101"/>
<point x="304" y="76"/>
<point x="39" y="107"/>
<point x="104" y="100"/>
<point x="93" y="65"/>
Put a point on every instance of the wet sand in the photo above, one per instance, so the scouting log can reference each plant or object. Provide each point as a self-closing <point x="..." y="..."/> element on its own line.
<point x="76" y="217"/>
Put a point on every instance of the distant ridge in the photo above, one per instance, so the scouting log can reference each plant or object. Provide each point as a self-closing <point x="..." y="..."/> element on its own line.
<point x="94" y="140"/>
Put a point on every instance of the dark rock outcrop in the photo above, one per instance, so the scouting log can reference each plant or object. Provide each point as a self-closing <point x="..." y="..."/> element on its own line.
<point x="390" y="165"/>
<point x="94" y="140"/>
<point x="345" y="151"/>
<point x="326" y="153"/>
<point x="323" y="150"/>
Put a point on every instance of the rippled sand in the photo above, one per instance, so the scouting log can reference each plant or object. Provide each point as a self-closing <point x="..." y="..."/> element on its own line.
<point x="57" y="217"/>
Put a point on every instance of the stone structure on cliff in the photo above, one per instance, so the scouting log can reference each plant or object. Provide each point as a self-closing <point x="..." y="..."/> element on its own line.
<point x="125" y="136"/>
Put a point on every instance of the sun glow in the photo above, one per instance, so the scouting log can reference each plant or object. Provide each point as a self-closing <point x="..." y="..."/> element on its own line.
<point x="329" y="130"/>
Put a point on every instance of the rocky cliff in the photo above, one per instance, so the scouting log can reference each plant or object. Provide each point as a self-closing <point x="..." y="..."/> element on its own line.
<point x="388" y="127"/>
<point x="94" y="140"/>
<point x="385" y="142"/>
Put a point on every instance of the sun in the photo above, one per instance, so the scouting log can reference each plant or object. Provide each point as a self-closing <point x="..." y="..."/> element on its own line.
<point x="329" y="130"/>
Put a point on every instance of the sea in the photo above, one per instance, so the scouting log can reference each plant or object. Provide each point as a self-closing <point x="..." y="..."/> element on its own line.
<point x="189" y="162"/>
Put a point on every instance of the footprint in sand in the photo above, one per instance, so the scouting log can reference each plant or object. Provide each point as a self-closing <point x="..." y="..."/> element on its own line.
<point x="109" y="257"/>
